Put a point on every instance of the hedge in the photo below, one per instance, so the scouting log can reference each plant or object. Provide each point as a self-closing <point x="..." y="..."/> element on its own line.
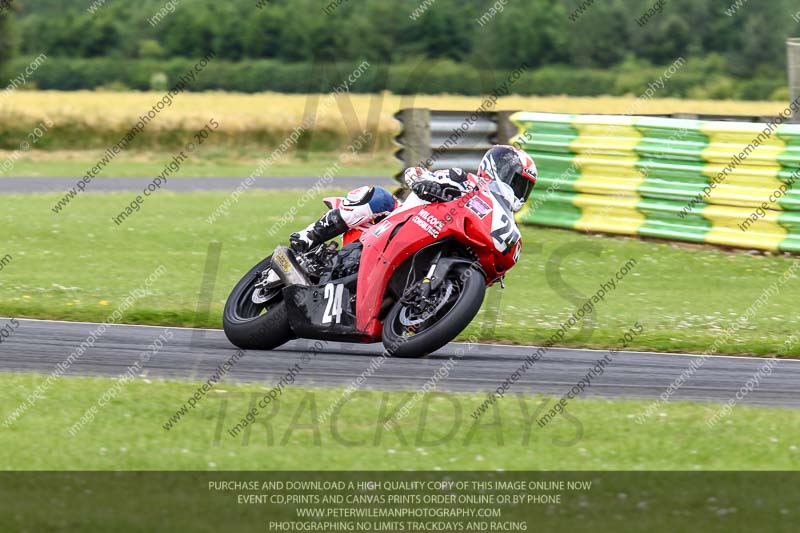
<point x="695" y="79"/>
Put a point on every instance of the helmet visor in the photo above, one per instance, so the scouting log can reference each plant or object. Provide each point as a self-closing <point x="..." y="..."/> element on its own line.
<point x="522" y="187"/>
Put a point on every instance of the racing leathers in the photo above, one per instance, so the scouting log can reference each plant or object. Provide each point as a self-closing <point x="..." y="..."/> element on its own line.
<point x="368" y="204"/>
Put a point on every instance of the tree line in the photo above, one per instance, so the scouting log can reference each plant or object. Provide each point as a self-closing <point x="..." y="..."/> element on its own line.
<point x="617" y="36"/>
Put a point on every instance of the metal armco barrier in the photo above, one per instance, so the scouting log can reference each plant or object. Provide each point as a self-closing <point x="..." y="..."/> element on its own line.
<point x="448" y="139"/>
<point x="648" y="176"/>
<point x="793" y="64"/>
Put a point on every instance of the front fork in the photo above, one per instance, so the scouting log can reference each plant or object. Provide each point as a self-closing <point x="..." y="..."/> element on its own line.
<point x="430" y="276"/>
<point x="436" y="275"/>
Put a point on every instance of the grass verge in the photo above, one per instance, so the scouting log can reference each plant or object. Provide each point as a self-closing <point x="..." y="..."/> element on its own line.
<point x="210" y="163"/>
<point x="128" y="434"/>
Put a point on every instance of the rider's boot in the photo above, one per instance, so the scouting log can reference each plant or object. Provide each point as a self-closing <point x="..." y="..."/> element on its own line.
<point x="331" y="225"/>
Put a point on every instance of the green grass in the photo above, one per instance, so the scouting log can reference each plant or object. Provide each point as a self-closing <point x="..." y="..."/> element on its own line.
<point x="78" y="265"/>
<point x="210" y="163"/>
<point x="127" y="434"/>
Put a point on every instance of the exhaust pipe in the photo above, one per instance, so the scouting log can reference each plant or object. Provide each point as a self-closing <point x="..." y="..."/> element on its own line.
<point x="285" y="265"/>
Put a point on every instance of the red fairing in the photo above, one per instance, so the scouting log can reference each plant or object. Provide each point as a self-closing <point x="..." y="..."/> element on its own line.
<point x="351" y="236"/>
<point x="476" y="220"/>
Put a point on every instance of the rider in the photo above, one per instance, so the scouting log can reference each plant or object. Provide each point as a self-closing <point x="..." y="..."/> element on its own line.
<point x="512" y="169"/>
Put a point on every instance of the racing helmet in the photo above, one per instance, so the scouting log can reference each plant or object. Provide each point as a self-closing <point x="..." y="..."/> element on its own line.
<point x="512" y="166"/>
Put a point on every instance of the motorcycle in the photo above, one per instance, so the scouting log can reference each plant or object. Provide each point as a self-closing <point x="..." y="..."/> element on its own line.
<point x="414" y="280"/>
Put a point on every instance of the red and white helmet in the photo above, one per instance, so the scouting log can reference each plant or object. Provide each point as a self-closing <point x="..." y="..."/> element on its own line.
<point x="512" y="166"/>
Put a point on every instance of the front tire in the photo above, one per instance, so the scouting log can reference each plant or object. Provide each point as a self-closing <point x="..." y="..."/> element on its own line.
<point x="404" y="336"/>
<point x="256" y="326"/>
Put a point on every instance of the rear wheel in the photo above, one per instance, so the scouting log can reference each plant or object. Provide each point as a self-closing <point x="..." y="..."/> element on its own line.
<point x="417" y="326"/>
<point x="255" y="315"/>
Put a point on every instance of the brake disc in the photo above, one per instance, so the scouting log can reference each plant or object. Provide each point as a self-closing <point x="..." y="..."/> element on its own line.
<point x="410" y="318"/>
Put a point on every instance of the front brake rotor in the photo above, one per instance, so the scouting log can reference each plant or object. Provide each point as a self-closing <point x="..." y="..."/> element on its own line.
<point x="414" y="317"/>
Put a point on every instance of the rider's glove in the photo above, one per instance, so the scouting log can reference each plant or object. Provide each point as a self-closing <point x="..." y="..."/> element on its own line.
<point x="413" y="175"/>
<point x="431" y="190"/>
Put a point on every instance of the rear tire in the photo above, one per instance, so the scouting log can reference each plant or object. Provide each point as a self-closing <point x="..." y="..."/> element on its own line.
<point x="252" y="326"/>
<point x="444" y="329"/>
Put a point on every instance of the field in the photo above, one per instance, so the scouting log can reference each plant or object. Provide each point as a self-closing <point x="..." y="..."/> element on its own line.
<point x="95" y="120"/>
<point x="126" y="433"/>
<point x="251" y="128"/>
<point x="245" y="112"/>
<point x="78" y="265"/>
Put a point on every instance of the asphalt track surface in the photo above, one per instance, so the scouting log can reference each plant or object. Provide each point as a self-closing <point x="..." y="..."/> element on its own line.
<point x="34" y="185"/>
<point x="38" y="346"/>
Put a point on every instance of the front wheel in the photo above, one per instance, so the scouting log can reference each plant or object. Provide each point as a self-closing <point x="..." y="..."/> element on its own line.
<point x="418" y="326"/>
<point x="255" y="315"/>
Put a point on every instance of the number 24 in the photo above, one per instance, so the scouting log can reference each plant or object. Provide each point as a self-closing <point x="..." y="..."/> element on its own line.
<point x="333" y="309"/>
<point x="508" y="234"/>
